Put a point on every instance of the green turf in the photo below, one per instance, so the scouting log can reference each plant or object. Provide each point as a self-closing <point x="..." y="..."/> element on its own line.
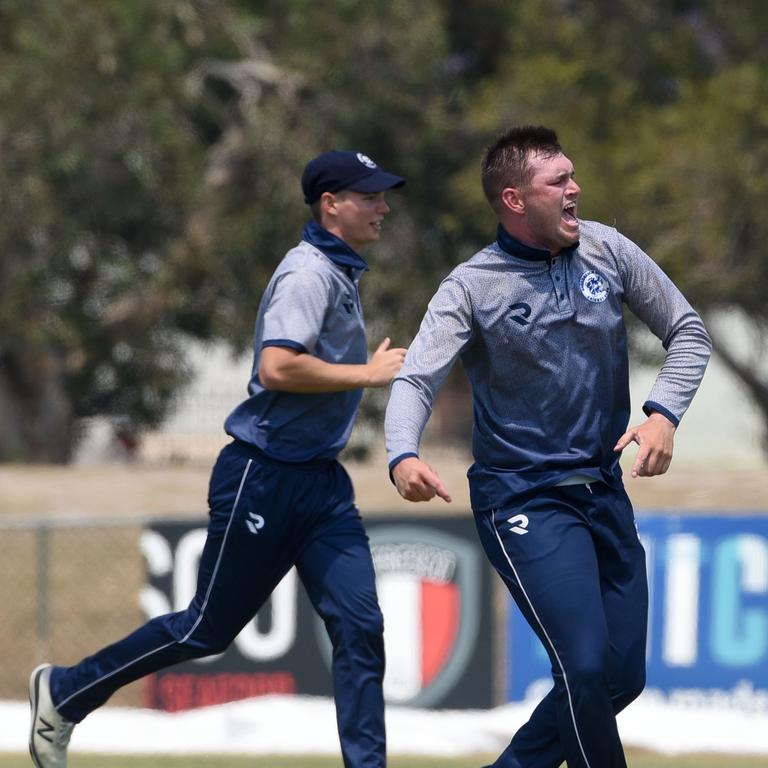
<point x="634" y="760"/>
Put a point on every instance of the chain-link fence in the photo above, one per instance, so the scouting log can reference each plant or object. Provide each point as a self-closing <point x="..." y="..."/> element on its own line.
<point x="67" y="588"/>
<point x="72" y="585"/>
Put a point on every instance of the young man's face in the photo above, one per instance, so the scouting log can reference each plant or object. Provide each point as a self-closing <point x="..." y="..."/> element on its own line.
<point x="355" y="217"/>
<point x="550" y="203"/>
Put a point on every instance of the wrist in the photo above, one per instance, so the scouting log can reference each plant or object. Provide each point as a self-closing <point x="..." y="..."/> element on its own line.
<point x="661" y="418"/>
<point x="397" y="461"/>
<point x="366" y="375"/>
<point x="651" y="407"/>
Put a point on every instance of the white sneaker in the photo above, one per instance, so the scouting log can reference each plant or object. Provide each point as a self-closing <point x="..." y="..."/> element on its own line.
<point x="50" y="732"/>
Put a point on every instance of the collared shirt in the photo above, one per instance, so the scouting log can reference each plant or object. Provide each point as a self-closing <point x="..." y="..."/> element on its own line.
<point x="311" y="304"/>
<point x="543" y="342"/>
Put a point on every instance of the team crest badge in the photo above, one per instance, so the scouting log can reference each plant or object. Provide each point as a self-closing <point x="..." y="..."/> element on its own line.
<point x="594" y="287"/>
<point x="365" y="160"/>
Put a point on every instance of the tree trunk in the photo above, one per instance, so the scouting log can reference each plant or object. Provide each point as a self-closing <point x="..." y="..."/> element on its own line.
<point x="37" y="423"/>
<point x="750" y="377"/>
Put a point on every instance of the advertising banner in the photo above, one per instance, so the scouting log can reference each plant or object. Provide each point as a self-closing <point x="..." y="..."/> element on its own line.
<point x="434" y="589"/>
<point x="708" y="618"/>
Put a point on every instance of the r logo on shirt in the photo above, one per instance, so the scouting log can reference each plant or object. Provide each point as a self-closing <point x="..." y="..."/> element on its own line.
<point x="520" y="313"/>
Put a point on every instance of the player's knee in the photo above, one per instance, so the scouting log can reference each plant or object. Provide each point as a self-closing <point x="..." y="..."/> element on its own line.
<point x="216" y="645"/>
<point x="359" y="631"/>
<point x="630" y="686"/>
<point x="587" y="673"/>
<point x="375" y="623"/>
<point x="369" y="626"/>
<point x="201" y="638"/>
<point x="636" y="687"/>
<point x="200" y="644"/>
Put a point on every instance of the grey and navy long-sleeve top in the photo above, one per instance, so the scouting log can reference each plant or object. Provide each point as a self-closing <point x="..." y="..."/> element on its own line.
<point x="543" y="342"/>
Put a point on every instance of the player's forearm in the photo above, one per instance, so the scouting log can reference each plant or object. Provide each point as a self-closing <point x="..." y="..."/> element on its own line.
<point x="407" y="413"/>
<point x="303" y="373"/>
<point x="686" y="360"/>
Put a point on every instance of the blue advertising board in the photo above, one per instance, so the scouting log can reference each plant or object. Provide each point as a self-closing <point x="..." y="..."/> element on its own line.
<point x="708" y="618"/>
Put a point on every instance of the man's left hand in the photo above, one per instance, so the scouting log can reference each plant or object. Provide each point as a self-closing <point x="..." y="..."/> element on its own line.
<point x="655" y="438"/>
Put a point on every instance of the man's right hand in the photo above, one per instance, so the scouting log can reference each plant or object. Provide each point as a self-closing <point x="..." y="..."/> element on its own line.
<point x="384" y="364"/>
<point x="417" y="481"/>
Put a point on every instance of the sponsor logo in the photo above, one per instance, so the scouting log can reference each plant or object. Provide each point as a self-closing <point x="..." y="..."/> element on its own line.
<point x="365" y="160"/>
<point x="46" y="731"/>
<point x="594" y="287"/>
<point x="518" y="524"/>
<point x="520" y="313"/>
<point x="432" y="581"/>
<point x="429" y="588"/>
<point x="708" y="614"/>
<point x="254" y="523"/>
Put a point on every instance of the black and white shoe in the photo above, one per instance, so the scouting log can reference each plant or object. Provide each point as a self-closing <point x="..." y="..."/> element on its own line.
<point x="50" y="732"/>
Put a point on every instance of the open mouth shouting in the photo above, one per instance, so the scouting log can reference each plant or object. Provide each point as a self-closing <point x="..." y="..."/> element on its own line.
<point x="569" y="214"/>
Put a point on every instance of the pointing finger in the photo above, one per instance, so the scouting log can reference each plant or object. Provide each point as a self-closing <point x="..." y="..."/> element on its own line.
<point x="625" y="440"/>
<point x="437" y="486"/>
<point x="442" y="492"/>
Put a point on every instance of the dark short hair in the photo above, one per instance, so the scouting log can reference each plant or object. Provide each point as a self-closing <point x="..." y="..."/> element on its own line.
<point x="316" y="209"/>
<point x="506" y="163"/>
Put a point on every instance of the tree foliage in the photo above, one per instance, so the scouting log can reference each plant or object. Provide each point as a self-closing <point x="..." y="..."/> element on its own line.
<point x="100" y="160"/>
<point x="150" y="154"/>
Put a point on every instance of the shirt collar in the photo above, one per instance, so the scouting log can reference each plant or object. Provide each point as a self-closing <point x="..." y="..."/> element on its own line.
<point x="514" y="247"/>
<point x="333" y="247"/>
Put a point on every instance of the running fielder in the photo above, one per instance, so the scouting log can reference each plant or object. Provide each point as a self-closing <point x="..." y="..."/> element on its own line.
<point x="536" y="318"/>
<point x="278" y="497"/>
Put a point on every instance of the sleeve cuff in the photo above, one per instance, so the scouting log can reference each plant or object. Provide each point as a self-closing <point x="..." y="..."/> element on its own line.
<point x="650" y="407"/>
<point x="284" y="343"/>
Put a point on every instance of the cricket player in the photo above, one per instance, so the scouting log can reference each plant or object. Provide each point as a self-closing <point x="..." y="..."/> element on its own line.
<point x="536" y="318"/>
<point x="278" y="496"/>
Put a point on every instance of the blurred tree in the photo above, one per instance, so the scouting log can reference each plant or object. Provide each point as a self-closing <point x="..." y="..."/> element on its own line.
<point x="150" y="156"/>
<point x="663" y="108"/>
<point x="99" y="160"/>
<point x="371" y="77"/>
<point x="702" y="218"/>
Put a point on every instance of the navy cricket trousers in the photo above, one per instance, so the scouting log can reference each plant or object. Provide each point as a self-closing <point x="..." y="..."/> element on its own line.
<point x="572" y="560"/>
<point x="301" y="515"/>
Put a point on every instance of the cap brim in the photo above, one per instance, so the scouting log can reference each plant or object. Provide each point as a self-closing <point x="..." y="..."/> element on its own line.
<point x="377" y="182"/>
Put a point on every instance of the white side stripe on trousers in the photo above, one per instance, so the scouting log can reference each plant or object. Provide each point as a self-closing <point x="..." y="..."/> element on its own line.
<point x="202" y="609"/>
<point x="546" y="635"/>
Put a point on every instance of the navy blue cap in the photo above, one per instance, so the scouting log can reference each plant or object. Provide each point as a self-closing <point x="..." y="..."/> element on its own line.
<point x="335" y="171"/>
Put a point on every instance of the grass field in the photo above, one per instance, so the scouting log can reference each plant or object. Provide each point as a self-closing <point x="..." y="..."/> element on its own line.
<point x="634" y="760"/>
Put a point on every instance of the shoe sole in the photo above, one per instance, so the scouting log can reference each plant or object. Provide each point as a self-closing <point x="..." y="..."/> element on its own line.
<point x="34" y="698"/>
